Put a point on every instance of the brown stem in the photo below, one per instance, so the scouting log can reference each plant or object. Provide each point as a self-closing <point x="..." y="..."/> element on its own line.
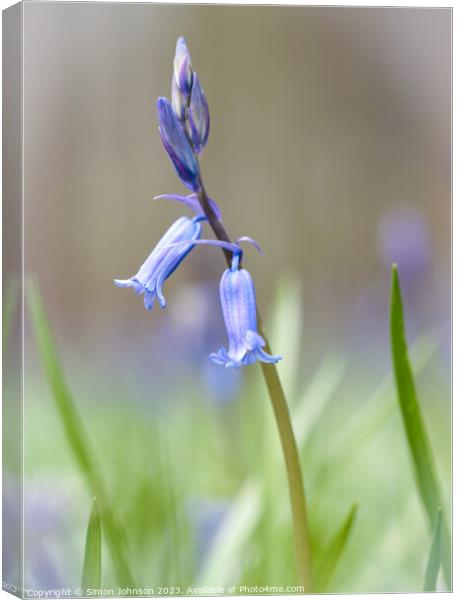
<point x="218" y="228"/>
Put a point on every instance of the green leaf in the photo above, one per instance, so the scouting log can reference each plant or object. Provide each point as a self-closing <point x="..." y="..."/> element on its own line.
<point x="362" y="427"/>
<point x="329" y="559"/>
<point x="417" y="437"/>
<point x="76" y="434"/>
<point x="434" y="559"/>
<point x="92" y="568"/>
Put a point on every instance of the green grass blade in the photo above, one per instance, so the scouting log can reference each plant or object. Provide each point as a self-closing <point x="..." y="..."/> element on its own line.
<point x="330" y="558"/>
<point x="426" y="477"/>
<point x="92" y="567"/>
<point x="362" y="427"/>
<point x="76" y="434"/>
<point x="434" y="559"/>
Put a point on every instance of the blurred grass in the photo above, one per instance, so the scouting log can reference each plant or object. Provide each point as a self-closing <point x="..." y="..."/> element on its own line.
<point x="420" y="449"/>
<point x="92" y="566"/>
<point x="201" y="489"/>
<point x="434" y="559"/>
<point x="76" y="433"/>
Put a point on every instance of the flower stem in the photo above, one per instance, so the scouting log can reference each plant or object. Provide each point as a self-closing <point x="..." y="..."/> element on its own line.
<point x="285" y="429"/>
<point x="293" y="468"/>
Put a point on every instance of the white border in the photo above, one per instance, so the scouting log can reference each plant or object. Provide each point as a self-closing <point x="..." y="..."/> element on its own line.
<point x="356" y="3"/>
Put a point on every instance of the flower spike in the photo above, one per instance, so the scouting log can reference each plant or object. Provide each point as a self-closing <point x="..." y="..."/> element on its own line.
<point x="177" y="145"/>
<point x="173" y="247"/>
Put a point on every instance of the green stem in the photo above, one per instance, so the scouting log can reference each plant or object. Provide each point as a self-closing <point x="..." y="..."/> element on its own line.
<point x="285" y="429"/>
<point x="293" y="468"/>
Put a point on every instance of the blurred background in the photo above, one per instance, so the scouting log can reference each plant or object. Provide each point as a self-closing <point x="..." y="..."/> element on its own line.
<point x="330" y="145"/>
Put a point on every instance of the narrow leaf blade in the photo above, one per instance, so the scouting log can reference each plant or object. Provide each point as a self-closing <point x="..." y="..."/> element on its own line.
<point x="76" y="433"/>
<point x="434" y="559"/>
<point x="417" y="437"/>
<point x="330" y="558"/>
<point x="92" y="567"/>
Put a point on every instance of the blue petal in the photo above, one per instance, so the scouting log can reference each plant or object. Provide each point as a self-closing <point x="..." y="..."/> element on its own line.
<point x="253" y="340"/>
<point x="148" y="300"/>
<point x="267" y="358"/>
<point x="123" y="283"/>
<point x="160" y="282"/>
<point x="220" y="357"/>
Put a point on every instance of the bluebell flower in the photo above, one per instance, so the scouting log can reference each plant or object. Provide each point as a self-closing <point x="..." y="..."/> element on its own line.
<point x="177" y="145"/>
<point x="238" y="302"/>
<point x="199" y="116"/>
<point x="173" y="247"/>
<point x="182" y="69"/>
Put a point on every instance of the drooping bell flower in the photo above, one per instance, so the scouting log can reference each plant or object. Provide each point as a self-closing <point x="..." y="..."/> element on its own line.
<point x="199" y="116"/>
<point x="177" y="145"/>
<point x="238" y="302"/>
<point x="163" y="260"/>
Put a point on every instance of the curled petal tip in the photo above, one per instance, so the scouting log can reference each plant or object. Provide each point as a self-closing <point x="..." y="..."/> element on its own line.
<point x="122" y="282"/>
<point x="251" y="241"/>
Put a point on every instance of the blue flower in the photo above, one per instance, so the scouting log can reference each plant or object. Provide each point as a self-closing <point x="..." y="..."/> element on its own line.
<point x="199" y="116"/>
<point x="238" y="302"/>
<point x="177" y="145"/>
<point x="163" y="260"/>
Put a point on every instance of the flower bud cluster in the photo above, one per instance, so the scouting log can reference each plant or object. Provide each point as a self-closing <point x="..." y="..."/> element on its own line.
<point x="184" y="122"/>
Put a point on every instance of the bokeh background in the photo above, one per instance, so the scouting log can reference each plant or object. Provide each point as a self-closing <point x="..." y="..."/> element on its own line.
<point x="330" y="145"/>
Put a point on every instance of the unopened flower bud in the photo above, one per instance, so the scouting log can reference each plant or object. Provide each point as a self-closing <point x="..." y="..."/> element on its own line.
<point x="199" y="116"/>
<point x="177" y="145"/>
<point x="182" y="69"/>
